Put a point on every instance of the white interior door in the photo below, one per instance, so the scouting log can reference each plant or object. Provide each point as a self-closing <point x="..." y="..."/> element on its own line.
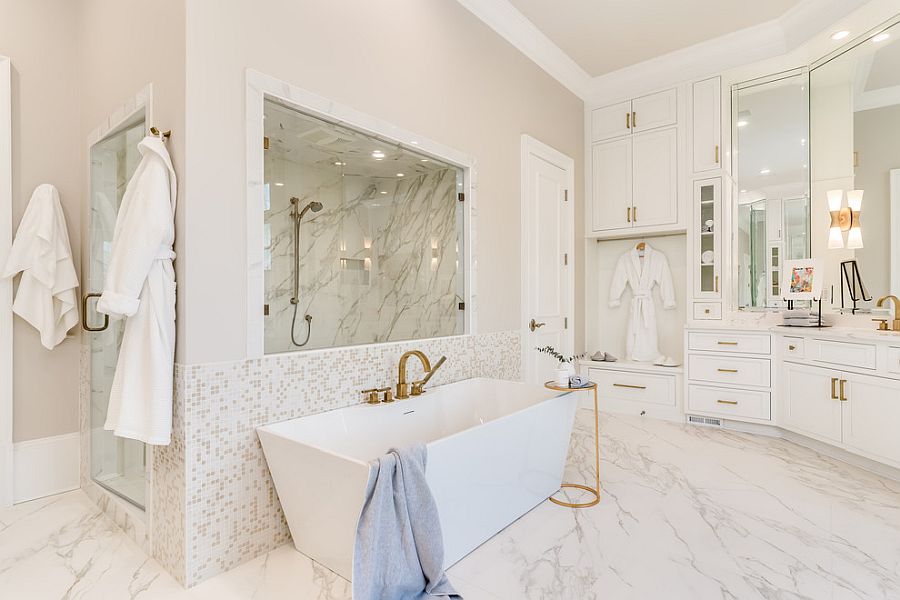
<point x="547" y="249"/>
<point x="655" y="182"/>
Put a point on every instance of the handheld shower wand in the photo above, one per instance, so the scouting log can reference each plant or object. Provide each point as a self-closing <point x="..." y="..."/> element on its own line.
<point x="297" y="216"/>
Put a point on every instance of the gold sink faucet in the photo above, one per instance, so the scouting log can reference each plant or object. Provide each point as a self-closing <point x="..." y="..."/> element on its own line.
<point x="418" y="387"/>
<point x="895" y="325"/>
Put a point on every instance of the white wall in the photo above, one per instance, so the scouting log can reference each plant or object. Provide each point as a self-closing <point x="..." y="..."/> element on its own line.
<point x="40" y="38"/>
<point x="428" y="66"/>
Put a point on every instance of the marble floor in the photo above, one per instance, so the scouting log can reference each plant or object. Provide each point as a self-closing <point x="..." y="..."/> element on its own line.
<point x="687" y="513"/>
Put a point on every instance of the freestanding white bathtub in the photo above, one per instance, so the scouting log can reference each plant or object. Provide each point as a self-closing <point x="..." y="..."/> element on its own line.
<point x="496" y="449"/>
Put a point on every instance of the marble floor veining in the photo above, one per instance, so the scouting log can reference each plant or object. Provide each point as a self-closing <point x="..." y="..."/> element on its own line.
<point x="687" y="513"/>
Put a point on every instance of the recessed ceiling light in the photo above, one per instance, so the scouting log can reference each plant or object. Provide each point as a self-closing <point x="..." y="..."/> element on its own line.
<point x="881" y="37"/>
<point x="765" y="171"/>
<point x="424" y="160"/>
<point x="839" y="35"/>
<point x="278" y="184"/>
<point x="377" y="154"/>
<point x="338" y="163"/>
<point x="414" y="143"/>
<point x="743" y="191"/>
<point x="399" y="174"/>
<point x="383" y="192"/>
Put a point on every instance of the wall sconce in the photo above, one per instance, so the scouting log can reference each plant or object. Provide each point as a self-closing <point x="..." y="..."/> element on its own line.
<point x="845" y="219"/>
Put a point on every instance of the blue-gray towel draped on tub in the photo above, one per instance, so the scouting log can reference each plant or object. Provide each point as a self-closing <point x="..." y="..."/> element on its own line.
<point x="399" y="551"/>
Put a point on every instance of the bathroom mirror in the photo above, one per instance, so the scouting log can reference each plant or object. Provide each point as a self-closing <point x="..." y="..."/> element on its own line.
<point x="770" y="154"/>
<point x="855" y="133"/>
<point x="363" y="237"/>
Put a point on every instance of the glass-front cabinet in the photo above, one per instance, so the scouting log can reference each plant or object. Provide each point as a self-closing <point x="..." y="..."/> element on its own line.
<point x="707" y="235"/>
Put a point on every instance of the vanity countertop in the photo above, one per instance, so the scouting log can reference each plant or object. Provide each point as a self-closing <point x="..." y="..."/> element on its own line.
<point x="840" y="333"/>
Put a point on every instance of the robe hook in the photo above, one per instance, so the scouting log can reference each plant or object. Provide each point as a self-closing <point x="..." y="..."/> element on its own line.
<point x="164" y="136"/>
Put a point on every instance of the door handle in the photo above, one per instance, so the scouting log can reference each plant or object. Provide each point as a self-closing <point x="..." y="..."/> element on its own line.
<point x="843" y="395"/>
<point x="535" y="325"/>
<point x="84" y="311"/>
<point x="834" y="395"/>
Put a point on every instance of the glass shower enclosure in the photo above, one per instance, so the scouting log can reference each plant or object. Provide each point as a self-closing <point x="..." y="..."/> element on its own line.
<point x="119" y="465"/>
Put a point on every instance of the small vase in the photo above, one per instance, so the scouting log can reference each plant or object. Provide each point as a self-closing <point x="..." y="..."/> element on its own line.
<point x="563" y="371"/>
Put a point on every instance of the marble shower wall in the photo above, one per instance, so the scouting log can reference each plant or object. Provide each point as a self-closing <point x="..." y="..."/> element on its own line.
<point x="379" y="263"/>
<point x="214" y="504"/>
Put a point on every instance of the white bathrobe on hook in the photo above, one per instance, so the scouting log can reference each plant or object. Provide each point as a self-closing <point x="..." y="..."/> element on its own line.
<point x="140" y="285"/>
<point x="642" y="273"/>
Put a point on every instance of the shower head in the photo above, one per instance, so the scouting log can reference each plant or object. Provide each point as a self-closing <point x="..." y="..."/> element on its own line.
<point x="313" y="206"/>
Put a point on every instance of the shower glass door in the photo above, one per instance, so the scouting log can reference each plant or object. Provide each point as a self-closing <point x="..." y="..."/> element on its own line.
<point x="117" y="464"/>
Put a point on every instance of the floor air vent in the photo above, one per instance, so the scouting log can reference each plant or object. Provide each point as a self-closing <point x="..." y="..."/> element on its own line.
<point x="707" y="421"/>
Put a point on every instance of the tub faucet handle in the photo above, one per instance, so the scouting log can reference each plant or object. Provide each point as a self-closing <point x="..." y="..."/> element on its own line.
<point x="388" y="394"/>
<point x="371" y="395"/>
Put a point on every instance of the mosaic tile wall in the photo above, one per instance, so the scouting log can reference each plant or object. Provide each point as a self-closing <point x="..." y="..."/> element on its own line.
<point x="212" y="483"/>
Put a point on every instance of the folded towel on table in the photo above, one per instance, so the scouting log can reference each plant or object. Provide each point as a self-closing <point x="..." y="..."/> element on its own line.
<point x="577" y="381"/>
<point x="399" y="551"/>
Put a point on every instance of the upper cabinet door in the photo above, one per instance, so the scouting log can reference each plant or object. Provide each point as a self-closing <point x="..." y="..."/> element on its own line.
<point x="707" y="125"/>
<point x="611" y="172"/>
<point x="655" y="187"/>
<point x="611" y="121"/>
<point x="653" y="111"/>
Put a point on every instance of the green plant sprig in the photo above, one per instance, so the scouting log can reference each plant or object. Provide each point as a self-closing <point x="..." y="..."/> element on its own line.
<point x="551" y="351"/>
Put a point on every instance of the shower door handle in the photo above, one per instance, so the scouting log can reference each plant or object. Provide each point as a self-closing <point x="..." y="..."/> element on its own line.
<point x="84" y="311"/>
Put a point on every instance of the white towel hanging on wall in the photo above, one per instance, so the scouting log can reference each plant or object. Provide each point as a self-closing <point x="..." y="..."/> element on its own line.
<point x="46" y="297"/>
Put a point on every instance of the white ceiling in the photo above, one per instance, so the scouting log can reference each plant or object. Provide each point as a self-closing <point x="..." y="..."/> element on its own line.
<point x="607" y="35"/>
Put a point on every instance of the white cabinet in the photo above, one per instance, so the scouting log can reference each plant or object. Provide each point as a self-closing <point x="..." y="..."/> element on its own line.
<point x="612" y="193"/>
<point x="611" y="121"/>
<point x="634" y="165"/>
<point x="859" y="412"/>
<point x="655" y="176"/>
<point x="810" y="401"/>
<point x="635" y="181"/>
<point x="706" y="233"/>
<point x="654" y="111"/>
<point x="707" y="125"/>
<point x="871" y="415"/>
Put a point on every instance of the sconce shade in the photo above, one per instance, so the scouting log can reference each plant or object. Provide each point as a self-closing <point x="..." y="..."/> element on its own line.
<point x="835" y="199"/>
<point x="854" y="200"/>
<point x="854" y="238"/>
<point x="835" y="238"/>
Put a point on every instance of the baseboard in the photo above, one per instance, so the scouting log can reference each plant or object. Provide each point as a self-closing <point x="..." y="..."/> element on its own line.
<point x="46" y="466"/>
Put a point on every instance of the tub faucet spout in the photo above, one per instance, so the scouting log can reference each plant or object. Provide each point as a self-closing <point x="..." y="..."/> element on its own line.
<point x="403" y="385"/>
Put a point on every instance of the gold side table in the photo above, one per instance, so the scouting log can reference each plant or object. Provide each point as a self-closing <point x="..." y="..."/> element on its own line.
<point x="551" y="385"/>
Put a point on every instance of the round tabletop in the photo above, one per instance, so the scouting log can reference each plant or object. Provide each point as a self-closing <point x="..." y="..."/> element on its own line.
<point x="552" y="385"/>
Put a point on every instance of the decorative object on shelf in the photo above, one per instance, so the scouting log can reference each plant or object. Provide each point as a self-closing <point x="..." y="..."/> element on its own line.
<point x="565" y="369"/>
<point x="552" y="385"/>
<point x="803" y="279"/>
<point x="845" y="218"/>
<point x="851" y="277"/>
<point x="708" y="258"/>
<point x="642" y="268"/>
<point x="708" y="226"/>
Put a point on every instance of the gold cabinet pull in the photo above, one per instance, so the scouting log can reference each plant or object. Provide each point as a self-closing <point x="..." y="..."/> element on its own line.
<point x="727" y="370"/>
<point x="717" y="284"/>
<point x="717" y="154"/>
<point x="843" y="394"/>
<point x="833" y="390"/>
<point x="732" y="402"/>
<point x="627" y="120"/>
<point x="792" y="347"/>
<point x="633" y="120"/>
<point x="727" y="343"/>
<point x="629" y="386"/>
<point x="634" y="214"/>
<point x="628" y="214"/>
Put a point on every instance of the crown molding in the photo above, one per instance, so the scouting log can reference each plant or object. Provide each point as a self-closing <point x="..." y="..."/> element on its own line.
<point x="514" y="27"/>
<point x="766" y="40"/>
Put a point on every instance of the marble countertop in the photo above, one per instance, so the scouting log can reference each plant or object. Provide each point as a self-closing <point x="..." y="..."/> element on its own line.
<point x="627" y="365"/>
<point x="840" y="332"/>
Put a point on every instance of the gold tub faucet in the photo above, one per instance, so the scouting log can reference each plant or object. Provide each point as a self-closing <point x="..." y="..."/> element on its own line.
<point x="418" y="387"/>
<point x="895" y="325"/>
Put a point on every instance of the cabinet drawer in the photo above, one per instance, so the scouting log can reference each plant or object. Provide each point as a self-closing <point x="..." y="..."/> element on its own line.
<point x="730" y="342"/>
<point x="842" y="354"/>
<point x="894" y="360"/>
<point x="730" y="369"/>
<point x="705" y="311"/>
<point x="792" y="347"/>
<point x="728" y="402"/>
<point x="636" y="387"/>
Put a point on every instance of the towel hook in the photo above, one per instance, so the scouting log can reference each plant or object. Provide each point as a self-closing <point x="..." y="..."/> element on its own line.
<point x="163" y="136"/>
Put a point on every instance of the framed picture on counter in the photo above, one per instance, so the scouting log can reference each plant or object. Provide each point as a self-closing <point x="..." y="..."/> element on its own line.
<point x="803" y="279"/>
